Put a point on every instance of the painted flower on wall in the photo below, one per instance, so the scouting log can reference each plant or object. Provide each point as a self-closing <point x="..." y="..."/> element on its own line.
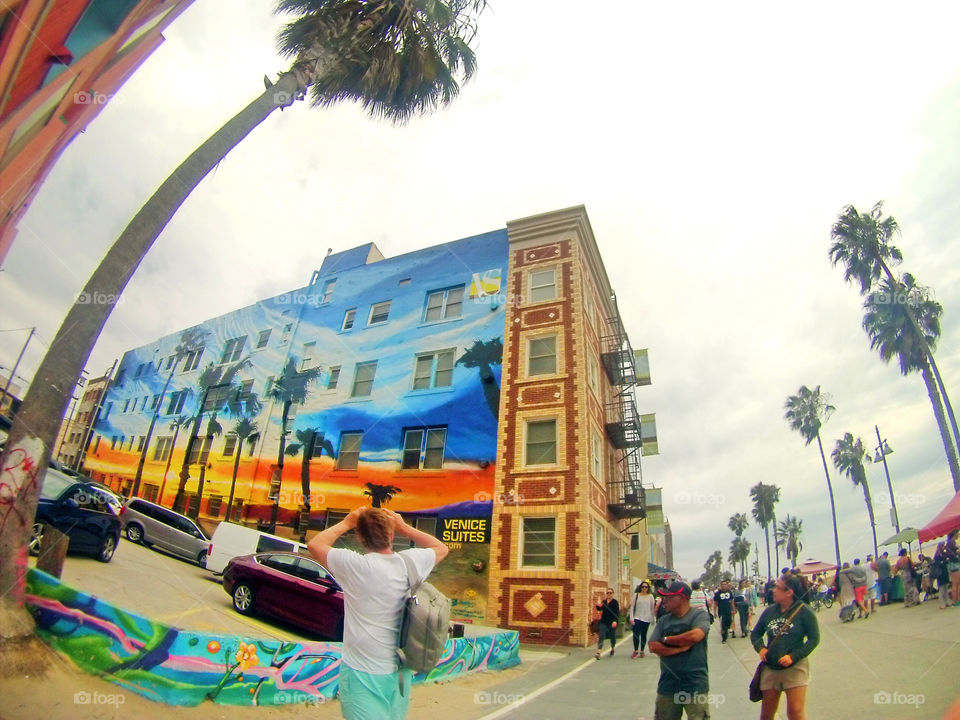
<point x="246" y="656"/>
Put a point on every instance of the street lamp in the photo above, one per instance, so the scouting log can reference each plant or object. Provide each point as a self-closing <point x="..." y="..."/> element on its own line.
<point x="883" y="449"/>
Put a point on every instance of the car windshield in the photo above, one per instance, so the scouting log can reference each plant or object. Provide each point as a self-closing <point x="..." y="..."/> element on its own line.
<point x="54" y="483"/>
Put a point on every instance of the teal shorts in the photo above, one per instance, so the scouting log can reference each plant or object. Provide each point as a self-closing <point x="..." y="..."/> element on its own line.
<point x="364" y="696"/>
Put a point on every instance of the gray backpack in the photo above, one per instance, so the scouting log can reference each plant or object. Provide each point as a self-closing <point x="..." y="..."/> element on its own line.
<point x="425" y="624"/>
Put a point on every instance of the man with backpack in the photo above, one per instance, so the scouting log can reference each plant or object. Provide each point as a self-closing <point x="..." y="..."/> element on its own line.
<point x="375" y="587"/>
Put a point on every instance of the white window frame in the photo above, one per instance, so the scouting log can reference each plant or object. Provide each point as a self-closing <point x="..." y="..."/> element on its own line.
<point x="539" y="288"/>
<point x="349" y="319"/>
<point x="328" y="287"/>
<point x="263" y="338"/>
<point x="349" y="451"/>
<point x="161" y="450"/>
<point x="308" y="350"/>
<point x="192" y="360"/>
<point x="333" y="377"/>
<point x="356" y="378"/>
<point x="445" y="306"/>
<point x="593" y="375"/>
<point x="524" y="540"/>
<point x="233" y="349"/>
<point x="531" y="358"/>
<point x="427" y="445"/>
<point x="373" y="308"/>
<point x="599" y="546"/>
<point x="526" y="441"/>
<point x="432" y="359"/>
<point x="230" y="444"/>
<point x="596" y="455"/>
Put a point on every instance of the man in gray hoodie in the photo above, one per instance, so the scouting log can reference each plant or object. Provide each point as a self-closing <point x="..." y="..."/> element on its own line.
<point x="858" y="578"/>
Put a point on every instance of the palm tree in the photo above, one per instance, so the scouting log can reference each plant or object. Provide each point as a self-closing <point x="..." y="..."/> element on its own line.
<point x="309" y="442"/>
<point x="788" y="534"/>
<point x="806" y="412"/>
<point x="178" y="422"/>
<point x="764" y="498"/>
<point x="482" y="355"/>
<point x="214" y="429"/>
<point x="862" y="241"/>
<point x="292" y="386"/>
<point x="891" y="334"/>
<point x="739" y="554"/>
<point x="245" y="430"/>
<point x="848" y="456"/>
<point x="738" y="523"/>
<point x="397" y="58"/>
<point x="381" y="494"/>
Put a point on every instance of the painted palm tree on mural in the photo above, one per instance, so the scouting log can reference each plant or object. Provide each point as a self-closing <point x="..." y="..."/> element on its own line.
<point x="381" y="494"/>
<point x="178" y="422"/>
<point x="482" y="355"/>
<point x="201" y="447"/>
<point x="862" y="242"/>
<point x="311" y="443"/>
<point x="397" y="58"/>
<point x="764" y="497"/>
<point x="891" y="335"/>
<point x="245" y="430"/>
<point x="806" y="412"/>
<point x="291" y="387"/>
<point x="848" y="456"/>
<point x="788" y="534"/>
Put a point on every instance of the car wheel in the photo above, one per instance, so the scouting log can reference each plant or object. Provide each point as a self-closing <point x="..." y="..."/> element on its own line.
<point x="134" y="533"/>
<point x="36" y="538"/>
<point x="243" y="599"/>
<point x="107" y="549"/>
<point x="202" y="559"/>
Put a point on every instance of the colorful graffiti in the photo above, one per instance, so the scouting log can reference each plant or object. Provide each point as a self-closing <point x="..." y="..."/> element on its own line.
<point x="180" y="667"/>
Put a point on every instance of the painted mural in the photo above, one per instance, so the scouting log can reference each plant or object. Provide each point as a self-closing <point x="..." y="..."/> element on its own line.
<point x="376" y="384"/>
<point x="180" y="667"/>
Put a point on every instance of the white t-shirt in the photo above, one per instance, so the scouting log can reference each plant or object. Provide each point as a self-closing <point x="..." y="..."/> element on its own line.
<point x="375" y="588"/>
<point x="642" y="607"/>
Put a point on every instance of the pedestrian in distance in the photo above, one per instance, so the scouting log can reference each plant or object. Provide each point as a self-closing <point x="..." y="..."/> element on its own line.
<point x="873" y="589"/>
<point x="742" y="606"/>
<point x="699" y="599"/>
<point x="939" y="573"/>
<point x="792" y="633"/>
<point x="905" y="571"/>
<point x="641" y="615"/>
<point x="884" y="577"/>
<point x="858" y="579"/>
<point x="609" y="617"/>
<point x="680" y="640"/>
<point x="953" y="564"/>
<point x="375" y="588"/>
<point x="723" y="602"/>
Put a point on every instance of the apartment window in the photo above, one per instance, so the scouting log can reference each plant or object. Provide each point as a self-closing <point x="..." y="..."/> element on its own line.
<point x="177" y="399"/>
<point x="96" y="445"/>
<point x="141" y="442"/>
<point x="349" y="456"/>
<point x="233" y="349"/>
<point x="193" y="504"/>
<point x="423" y="449"/>
<point x="230" y="446"/>
<point x="598" y="547"/>
<point x="543" y="285"/>
<point x="308" y="350"/>
<point x="433" y="370"/>
<point x="541" y="446"/>
<point x="113" y="442"/>
<point x="348" y="317"/>
<point x="106" y="410"/>
<point x="334" y="378"/>
<point x="335" y="516"/>
<point x="162" y="451"/>
<point x="593" y="376"/>
<point x="363" y="380"/>
<point x="130" y="442"/>
<point x="170" y="361"/>
<point x="263" y="338"/>
<point x="150" y="493"/>
<point x="542" y="355"/>
<point x="245" y="391"/>
<point x="379" y="313"/>
<point x="126" y="405"/>
<point x="192" y="360"/>
<point x="199" y="451"/>
<point x="424" y="524"/>
<point x="596" y="455"/>
<point x="214" y="503"/>
<point x="154" y="402"/>
<point x="328" y="290"/>
<point x="634" y="541"/>
<point x="237" y="509"/>
<point x="539" y="537"/>
<point x="216" y="397"/>
<point x="444" y="304"/>
<point x="285" y="337"/>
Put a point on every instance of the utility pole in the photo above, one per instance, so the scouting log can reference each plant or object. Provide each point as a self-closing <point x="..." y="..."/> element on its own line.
<point x="883" y="449"/>
<point x="3" y="395"/>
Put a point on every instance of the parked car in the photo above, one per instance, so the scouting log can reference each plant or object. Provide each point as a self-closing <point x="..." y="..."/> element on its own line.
<point x="79" y="510"/>
<point x="288" y="587"/>
<point x="151" y="524"/>
<point x="113" y="499"/>
<point x="231" y="540"/>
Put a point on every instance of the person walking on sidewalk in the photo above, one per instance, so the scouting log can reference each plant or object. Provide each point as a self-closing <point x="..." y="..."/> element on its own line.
<point x="742" y="605"/>
<point x="939" y="572"/>
<point x="858" y="578"/>
<point x="792" y="634"/>
<point x="723" y="602"/>
<point x="680" y="640"/>
<point x="905" y="569"/>
<point x="953" y="564"/>
<point x="884" y="577"/>
<point x="872" y="587"/>
<point x="641" y="615"/>
<point x="609" y="617"/>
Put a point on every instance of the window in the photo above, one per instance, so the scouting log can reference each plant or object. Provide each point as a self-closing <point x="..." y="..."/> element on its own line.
<point x="245" y="391"/>
<point x="433" y="370"/>
<point x="177" y="399"/>
<point x="593" y="376"/>
<point x="308" y="350"/>
<point x="328" y="290"/>
<point x="379" y="313"/>
<point x="154" y="402"/>
<point x="444" y="304"/>
<point x="216" y="397"/>
<point x="170" y="361"/>
<point x="199" y="450"/>
<point x="150" y="493"/>
<point x="233" y="349"/>
<point x="213" y="505"/>
<point x="113" y="442"/>
<point x="285" y="337"/>
<point x="335" y="516"/>
<point x="423" y="449"/>
<point x="334" y="378"/>
<point x="141" y="442"/>
<point x="192" y="360"/>
<point x="596" y="455"/>
<point x="539" y="538"/>
<point x="162" y="451"/>
<point x="126" y="405"/>
<point x="348" y="318"/>
<point x="598" y="546"/>
<point x="543" y="285"/>
<point x="263" y="338"/>
<point x="193" y="504"/>
<point x="426" y="524"/>
<point x="541" y="446"/>
<point x="237" y="510"/>
<point x="542" y="355"/>
<point x="349" y="456"/>
<point x="363" y="380"/>
<point x="634" y="541"/>
<point x="230" y="446"/>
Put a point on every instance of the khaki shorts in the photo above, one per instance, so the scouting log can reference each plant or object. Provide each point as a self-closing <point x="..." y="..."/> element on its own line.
<point x="797" y="675"/>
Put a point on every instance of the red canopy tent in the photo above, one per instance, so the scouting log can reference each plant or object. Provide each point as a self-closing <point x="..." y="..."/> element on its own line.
<point x="812" y="567"/>
<point x="945" y="521"/>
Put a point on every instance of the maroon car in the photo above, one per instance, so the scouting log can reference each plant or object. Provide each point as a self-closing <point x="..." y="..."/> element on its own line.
<point x="288" y="587"/>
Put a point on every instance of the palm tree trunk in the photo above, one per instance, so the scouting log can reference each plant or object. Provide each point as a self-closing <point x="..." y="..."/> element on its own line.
<point x="833" y="506"/>
<point x="942" y="425"/>
<point x="192" y="437"/>
<point x="163" y="484"/>
<point x="766" y="532"/>
<point x="946" y="402"/>
<point x="274" y="511"/>
<point x="776" y="542"/>
<point x="233" y="480"/>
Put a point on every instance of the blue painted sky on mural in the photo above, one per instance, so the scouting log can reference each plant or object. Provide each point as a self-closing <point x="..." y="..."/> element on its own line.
<point x="712" y="146"/>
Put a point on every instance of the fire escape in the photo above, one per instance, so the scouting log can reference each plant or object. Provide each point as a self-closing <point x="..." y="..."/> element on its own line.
<point x="625" y="496"/>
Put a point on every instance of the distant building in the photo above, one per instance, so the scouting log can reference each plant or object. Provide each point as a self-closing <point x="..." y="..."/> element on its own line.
<point x="9" y="400"/>
<point x="483" y="388"/>
<point x="61" y="61"/>
<point x="77" y="430"/>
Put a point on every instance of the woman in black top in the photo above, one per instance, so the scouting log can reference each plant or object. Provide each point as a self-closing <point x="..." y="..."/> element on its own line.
<point x="786" y="668"/>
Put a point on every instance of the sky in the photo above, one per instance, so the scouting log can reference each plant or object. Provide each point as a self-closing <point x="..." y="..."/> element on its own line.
<point x="713" y="147"/>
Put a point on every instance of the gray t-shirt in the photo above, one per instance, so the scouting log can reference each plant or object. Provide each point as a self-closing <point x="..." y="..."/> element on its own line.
<point x="858" y="576"/>
<point x="686" y="671"/>
<point x="883" y="569"/>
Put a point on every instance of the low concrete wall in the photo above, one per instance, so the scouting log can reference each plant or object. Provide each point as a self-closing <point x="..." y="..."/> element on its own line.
<point x="180" y="667"/>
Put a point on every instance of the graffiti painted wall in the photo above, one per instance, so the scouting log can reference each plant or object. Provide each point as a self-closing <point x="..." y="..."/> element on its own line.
<point x="378" y="383"/>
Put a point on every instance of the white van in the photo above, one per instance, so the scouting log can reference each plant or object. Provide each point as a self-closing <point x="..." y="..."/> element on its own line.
<point x="230" y="541"/>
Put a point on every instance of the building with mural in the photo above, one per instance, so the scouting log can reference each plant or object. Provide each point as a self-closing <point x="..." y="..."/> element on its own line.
<point x="77" y="429"/>
<point x="483" y="388"/>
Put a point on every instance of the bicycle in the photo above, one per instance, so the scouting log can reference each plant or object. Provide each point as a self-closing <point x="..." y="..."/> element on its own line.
<point x="824" y="599"/>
